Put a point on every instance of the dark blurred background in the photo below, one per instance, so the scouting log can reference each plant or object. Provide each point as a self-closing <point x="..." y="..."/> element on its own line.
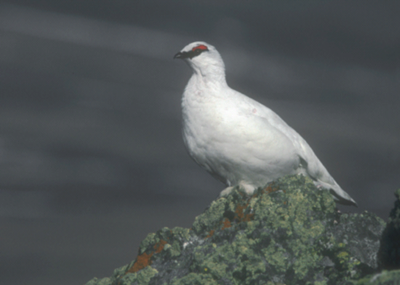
<point x="91" y="155"/>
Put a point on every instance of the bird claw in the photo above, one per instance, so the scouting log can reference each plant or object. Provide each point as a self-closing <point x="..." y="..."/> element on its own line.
<point x="242" y="187"/>
<point x="226" y="191"/>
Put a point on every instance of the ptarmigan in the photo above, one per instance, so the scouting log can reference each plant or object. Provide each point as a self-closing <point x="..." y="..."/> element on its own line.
<point x="238" y="140"/>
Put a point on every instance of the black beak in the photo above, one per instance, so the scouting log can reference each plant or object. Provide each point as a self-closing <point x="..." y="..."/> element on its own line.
<point x="181" y="55"/>
<point x="178" y="55"/>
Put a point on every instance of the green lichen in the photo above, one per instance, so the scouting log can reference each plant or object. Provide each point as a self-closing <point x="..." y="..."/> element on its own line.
<point x="102" y="281"/>
<point x="195" y="279"/>
<point x="382" y="278"/>
<point x="119" y="277"/>
<point x="142" y="277"/>
<point x="208" y="220"/>
<point x="288" y="232"/>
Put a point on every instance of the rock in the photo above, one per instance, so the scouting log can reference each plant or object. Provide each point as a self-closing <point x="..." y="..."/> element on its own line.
<point x="389" y="251"/>
<point x="382" y="278"/>
<point x="286" y="233"/>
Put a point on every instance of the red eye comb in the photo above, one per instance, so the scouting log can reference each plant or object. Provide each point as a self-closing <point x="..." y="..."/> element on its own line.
<point x="201" y="47"/>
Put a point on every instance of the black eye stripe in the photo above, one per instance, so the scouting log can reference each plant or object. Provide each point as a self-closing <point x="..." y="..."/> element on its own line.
<point x="191" y="54"/>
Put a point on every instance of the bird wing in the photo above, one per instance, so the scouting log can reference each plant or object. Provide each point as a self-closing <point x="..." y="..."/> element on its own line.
<point x="308" y="160"/>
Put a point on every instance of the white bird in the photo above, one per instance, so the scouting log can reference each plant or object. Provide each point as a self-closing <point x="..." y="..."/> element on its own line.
<point x="235" y="138"/>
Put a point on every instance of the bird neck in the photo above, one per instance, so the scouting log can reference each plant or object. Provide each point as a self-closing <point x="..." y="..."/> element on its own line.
<point x="210" y="75"/>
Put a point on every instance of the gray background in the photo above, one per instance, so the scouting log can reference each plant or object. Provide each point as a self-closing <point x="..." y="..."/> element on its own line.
<point x="91" y="155"/>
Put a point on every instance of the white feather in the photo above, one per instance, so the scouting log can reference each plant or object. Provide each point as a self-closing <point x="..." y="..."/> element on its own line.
<point x="237" y="139"/>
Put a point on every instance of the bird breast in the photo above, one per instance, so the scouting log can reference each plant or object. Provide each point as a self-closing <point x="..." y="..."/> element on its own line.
<point x="227" y="140"/>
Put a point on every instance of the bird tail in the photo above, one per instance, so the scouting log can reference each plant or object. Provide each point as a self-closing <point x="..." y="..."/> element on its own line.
<point x="338" y="193"/>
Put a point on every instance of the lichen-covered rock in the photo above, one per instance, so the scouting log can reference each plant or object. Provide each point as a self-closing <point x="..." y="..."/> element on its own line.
<point x="286" y="233"/>
<point x="389" y="251"/>
<point x="382" y="278"/>
<point x="121" y="277"/>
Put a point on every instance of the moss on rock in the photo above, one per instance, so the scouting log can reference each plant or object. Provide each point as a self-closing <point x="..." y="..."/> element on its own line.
<point x="288" y="232"/>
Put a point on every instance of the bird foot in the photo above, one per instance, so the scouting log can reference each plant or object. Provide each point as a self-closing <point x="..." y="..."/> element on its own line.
<point x="226" y="191"/>
<point x="242" y="187"/>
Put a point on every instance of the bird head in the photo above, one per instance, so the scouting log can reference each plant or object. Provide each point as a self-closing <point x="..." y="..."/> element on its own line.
<point x="203" y="58"/>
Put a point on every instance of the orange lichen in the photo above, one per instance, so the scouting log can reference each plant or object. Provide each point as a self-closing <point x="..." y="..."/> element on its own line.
<point x="210" y="234"/>
<point x="248" y="218"/>
<point x="269" y="189"/>
<point x="241" y="216"/>
<point x="143" y="260"/>
<point x="239" y="211"/>
<point x="158" y="247"/>
<point x="226" y="224"/>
